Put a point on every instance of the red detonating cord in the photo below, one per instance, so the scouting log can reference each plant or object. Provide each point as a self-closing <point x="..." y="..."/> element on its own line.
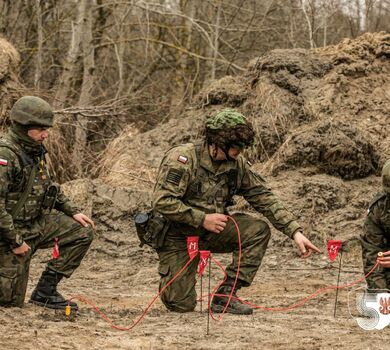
<point x="230" y="296"/>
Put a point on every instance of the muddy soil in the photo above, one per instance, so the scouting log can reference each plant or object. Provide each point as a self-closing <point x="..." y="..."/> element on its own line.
<point x="121" y="279"/>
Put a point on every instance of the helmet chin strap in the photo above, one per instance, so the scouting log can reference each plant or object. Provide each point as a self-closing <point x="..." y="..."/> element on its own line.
<point x="226" y="152"/>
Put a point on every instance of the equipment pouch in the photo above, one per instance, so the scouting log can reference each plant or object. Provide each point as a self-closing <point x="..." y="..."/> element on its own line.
<point x="151" y="229"/>
<point x="7" y="285"/>
<point x="50" y="196"/>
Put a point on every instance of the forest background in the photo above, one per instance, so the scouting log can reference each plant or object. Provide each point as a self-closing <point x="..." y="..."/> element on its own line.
<point x="107" y="64"/>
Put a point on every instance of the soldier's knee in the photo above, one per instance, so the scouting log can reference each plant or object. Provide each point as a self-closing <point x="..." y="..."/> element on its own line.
<point x="262" y="228"/>
<point x="266" y="229"/>
<point x="88" y="235"/>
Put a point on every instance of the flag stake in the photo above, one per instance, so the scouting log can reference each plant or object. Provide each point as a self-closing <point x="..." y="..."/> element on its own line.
<point x="209" y="301"/>
<point x="201" y="293"/>
<point x="338" y="281"/>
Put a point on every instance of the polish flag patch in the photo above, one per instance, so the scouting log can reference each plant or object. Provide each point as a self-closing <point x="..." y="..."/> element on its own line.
<point x="182" y="159"/>
<point x="3" y="161"/>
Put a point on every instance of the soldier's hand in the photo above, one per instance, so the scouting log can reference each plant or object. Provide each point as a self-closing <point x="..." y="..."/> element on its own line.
<point x="384" y="260"/>
<point x="215" y="222"/>
<point x="22" y="250"/>
<point x="305" y="247"/>
<point x="84" y="220"/>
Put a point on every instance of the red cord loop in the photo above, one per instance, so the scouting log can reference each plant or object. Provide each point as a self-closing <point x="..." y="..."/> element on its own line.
<point x="193" y="251"/>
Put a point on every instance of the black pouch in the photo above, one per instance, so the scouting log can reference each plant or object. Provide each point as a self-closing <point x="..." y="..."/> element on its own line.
<point x="151" y="229"/>
<point x="50" y="196"/>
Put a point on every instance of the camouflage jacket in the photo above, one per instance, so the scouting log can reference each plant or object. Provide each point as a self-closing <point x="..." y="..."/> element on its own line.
<point x="378" y="217"/>
<point x="190" y="185"/>
<point x="13" y="179"/>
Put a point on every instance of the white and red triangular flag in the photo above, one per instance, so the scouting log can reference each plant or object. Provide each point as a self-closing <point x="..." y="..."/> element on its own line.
<point x="334" y="247"/>
<point x="203" y="261"/>
<point x="192" y="246"/>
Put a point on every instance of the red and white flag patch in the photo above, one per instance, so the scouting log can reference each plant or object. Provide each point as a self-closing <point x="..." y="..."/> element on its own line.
<point x="3" y="161"/>
<point x="182" y="159"/>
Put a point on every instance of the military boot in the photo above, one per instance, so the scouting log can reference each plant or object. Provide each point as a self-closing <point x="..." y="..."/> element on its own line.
<point x="45" y="293"/>
<point x="235" y="306"/>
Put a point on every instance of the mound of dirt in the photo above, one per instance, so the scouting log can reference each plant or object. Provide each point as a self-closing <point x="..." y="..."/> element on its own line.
<point x="228" y="91"/>
<point x="285" y="90"/>
<point x="334" y="148"/>
<point x="322" y="195"/>
<point x="133" y="158"/>
<point x="9" y="64"/>
<point x="318" y="124"/>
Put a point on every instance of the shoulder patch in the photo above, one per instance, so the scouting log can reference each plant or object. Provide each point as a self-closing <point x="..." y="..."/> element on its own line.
<point x="174" y="176"/>
<point x="3" y="161"/>
<point x="182" y="159"/>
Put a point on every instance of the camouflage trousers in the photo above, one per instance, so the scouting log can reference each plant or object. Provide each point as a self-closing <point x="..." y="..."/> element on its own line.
<point x="180" y="296"/>
<point x="73" y="241"/>
<point x="372" y="244"/>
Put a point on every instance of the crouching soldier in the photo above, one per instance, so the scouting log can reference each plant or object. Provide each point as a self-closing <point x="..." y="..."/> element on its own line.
<point x="376" y="236"/>
<point x="34" y="213"/>
<point x="195" y="185"/>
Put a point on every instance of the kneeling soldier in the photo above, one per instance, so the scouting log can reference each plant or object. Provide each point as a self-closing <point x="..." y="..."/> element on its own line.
<point x="27" y="219"/>
<point x="376" y="236"/>
<point x="195" y="185"/>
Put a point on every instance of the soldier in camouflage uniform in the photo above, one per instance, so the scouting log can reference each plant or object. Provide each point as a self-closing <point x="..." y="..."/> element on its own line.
<point x="195" y="184"/>
<point x="376" y="236"/>
<point x="34" y="212"/>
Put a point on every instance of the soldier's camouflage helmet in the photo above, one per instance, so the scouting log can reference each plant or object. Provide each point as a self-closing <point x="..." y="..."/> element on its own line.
<point x="225" y="119"/>
<point x="386" y="177"/>
<point x="32" y="111"/>
<point x="229" y="128"/>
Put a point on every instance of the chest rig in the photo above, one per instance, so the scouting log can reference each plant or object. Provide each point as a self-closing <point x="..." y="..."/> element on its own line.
<point x="213" y="193"/>
<point x="28" y="187"/>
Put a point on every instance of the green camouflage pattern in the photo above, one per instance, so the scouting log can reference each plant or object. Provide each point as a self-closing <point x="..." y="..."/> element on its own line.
<point x="32" y="110"/>
<point x="187" y="189"/>
<point x="386" y="177"/>
<point x="12" y="183"/>
<point x="376" y="238"/>
<point x="36" y="225"/>
<point x="225" y="119"/>
<point x="181" y="296"/>
<point x="73" y="240"/>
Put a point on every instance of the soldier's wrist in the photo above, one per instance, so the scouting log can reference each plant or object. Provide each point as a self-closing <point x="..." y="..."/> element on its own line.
<point x="16" y="242"/>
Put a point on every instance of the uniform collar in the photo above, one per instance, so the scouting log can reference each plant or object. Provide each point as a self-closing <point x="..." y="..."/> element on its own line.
<point x="29" y="146"/>
<point x="214" y="167"/>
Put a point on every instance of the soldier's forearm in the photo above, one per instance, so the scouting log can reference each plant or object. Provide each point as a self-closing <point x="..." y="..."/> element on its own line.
<point x="179" y="212"/>
<point x="280" y="218"/>
<point x="67" y="208"/>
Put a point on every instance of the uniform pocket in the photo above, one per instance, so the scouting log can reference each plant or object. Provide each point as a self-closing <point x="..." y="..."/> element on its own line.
<point x="7" y="284"/>
<point x="163" y="270"/>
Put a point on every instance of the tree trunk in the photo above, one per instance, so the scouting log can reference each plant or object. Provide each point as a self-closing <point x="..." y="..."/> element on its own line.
<point x="86" y="37"/>
<point x="72" y="61"/>
<point x="38" y="67"/>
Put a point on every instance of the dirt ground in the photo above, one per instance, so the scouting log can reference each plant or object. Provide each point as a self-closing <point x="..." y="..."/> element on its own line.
<point x="122" y="278"/>
<point x="322" y="120"/>
<point x="123" y="286"/>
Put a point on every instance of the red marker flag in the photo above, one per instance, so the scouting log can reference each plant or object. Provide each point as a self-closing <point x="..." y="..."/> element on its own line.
<point x="192" y="246"/>
<point x="203" y="261"/>
<point x="56" y="250"/>
<point x="334" y="247"/>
